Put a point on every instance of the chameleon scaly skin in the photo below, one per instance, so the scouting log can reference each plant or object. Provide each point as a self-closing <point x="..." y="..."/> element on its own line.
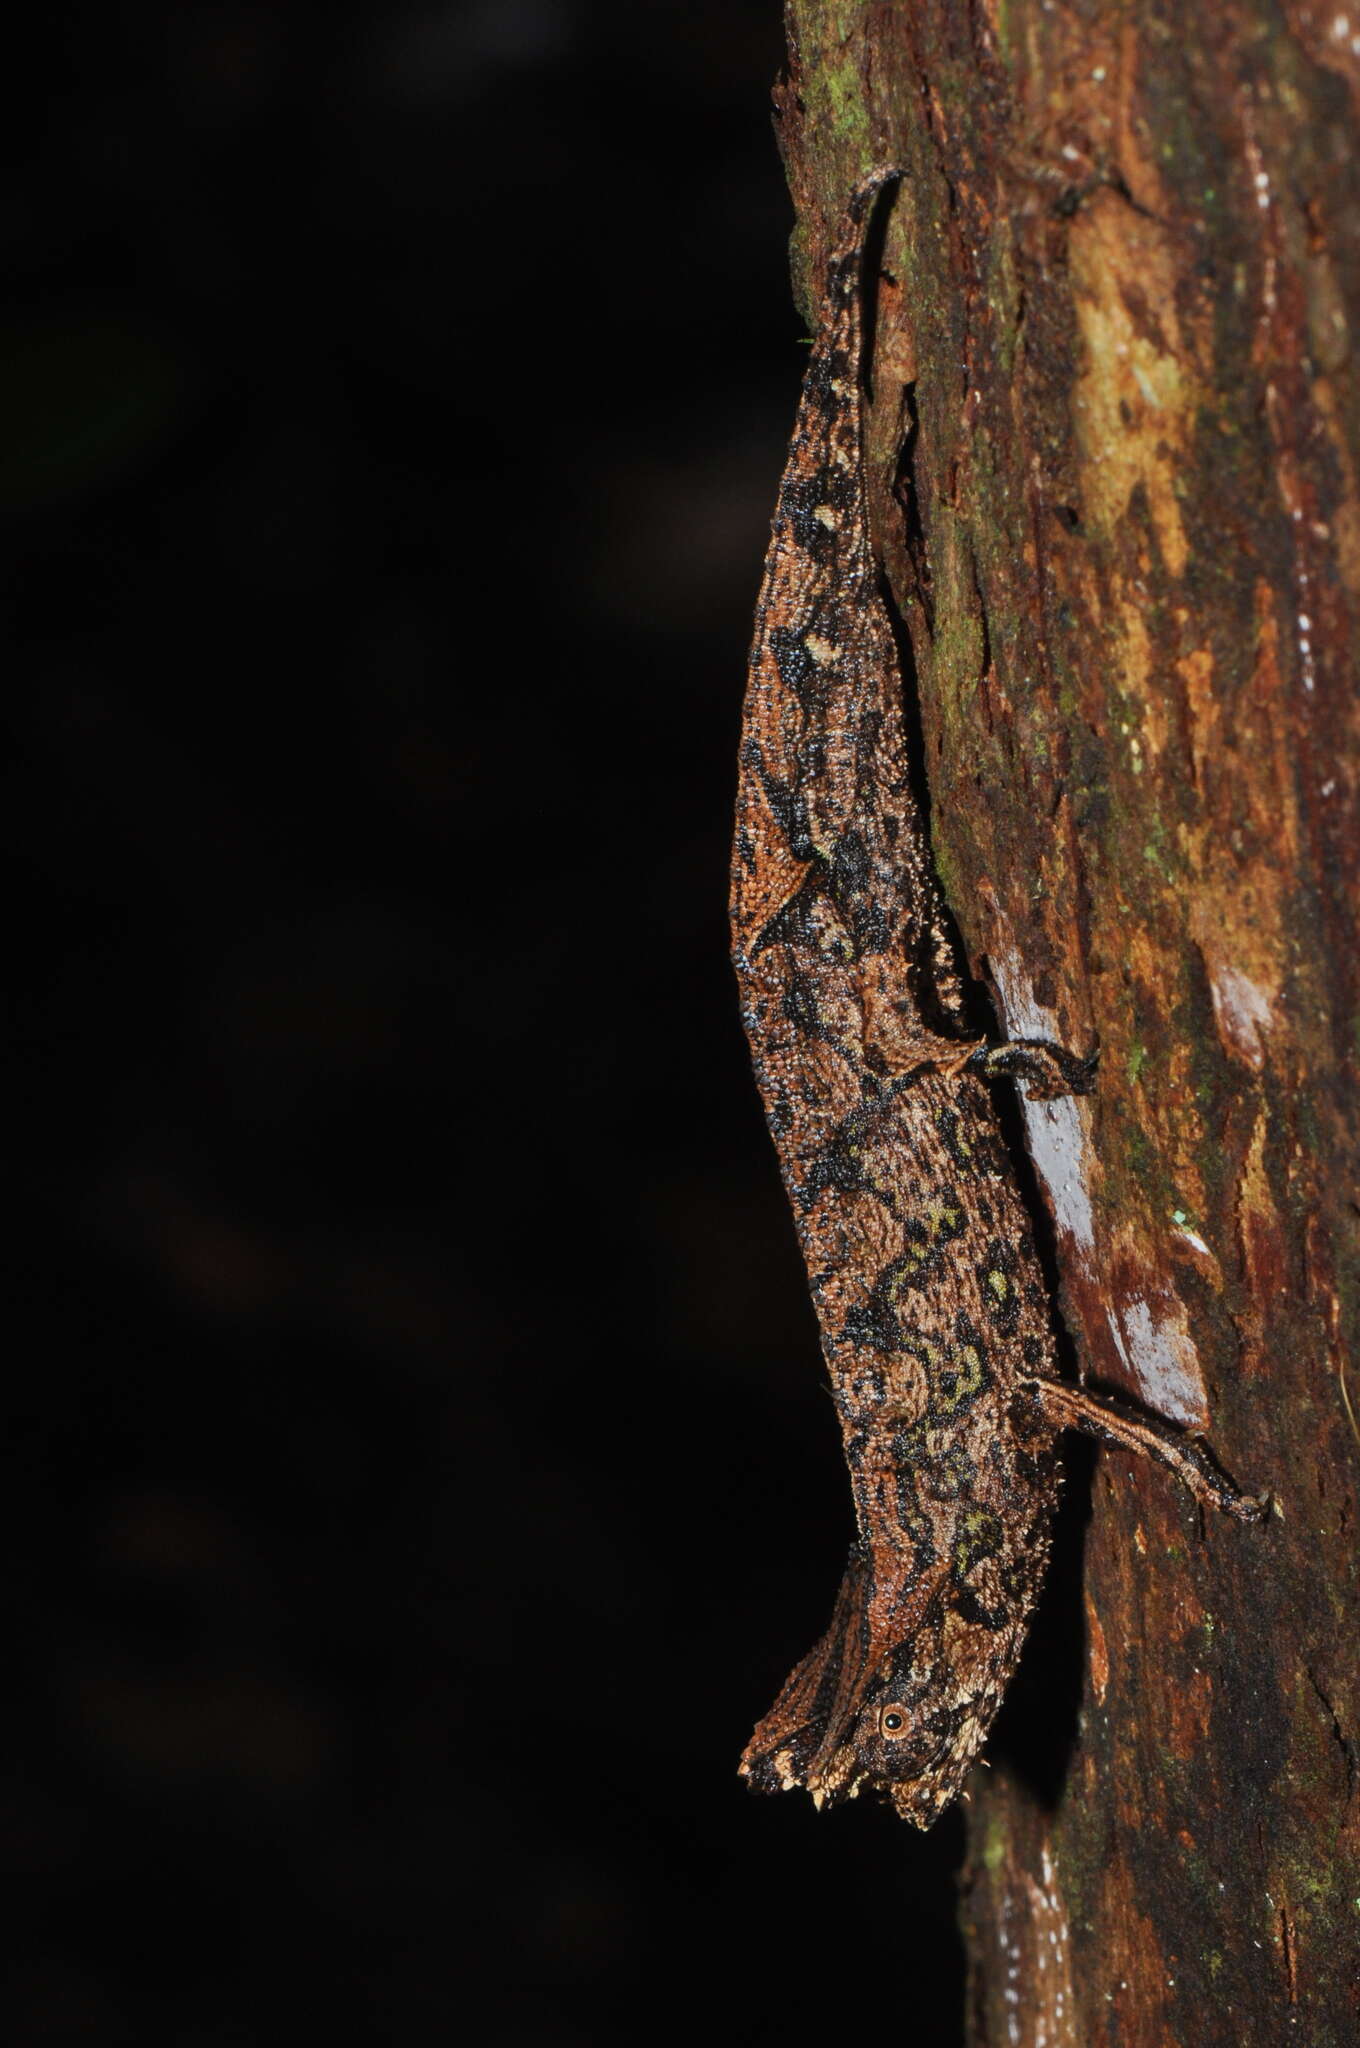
<point x="934" y="1319"/>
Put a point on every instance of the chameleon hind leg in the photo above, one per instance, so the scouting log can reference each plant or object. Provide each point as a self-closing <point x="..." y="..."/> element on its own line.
<point x="1110" y="1422"/>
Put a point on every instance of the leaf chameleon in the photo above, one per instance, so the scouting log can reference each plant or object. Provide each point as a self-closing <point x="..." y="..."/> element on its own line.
<point x="934" y="1319"/>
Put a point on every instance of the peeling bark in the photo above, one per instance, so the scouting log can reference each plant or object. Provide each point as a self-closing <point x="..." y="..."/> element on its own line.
<point x="1116" y="430"/>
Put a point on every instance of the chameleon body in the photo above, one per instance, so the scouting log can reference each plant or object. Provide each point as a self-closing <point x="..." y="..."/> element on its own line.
<point x="934" y="1318"/>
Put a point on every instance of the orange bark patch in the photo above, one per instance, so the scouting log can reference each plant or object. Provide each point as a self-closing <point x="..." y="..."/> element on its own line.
<point x="1135" y="397"/>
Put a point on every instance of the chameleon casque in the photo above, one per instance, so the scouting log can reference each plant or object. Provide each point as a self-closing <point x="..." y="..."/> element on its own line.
<point x="934" y="1317"/>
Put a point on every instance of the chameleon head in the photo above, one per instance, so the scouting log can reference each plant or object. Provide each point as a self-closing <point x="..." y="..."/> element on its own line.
<point x="920" y="1717"/>
<point x="904" y="1718"/>
<point x="916" y="1730"/>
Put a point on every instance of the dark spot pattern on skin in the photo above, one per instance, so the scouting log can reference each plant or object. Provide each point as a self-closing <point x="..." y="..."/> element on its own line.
<point x="818" y="394"/>
<point x="800" y="1005"/>
<point x="849" y="878"/>
<point x="788" y="805"/>
<point x="980" y="1613"/>
<point x="832" y="368"/>
<point x="854" y="1452"/>
<point x="929" y="1232"/>
<point x="860" y="1394"/>
<point x="948" y="1476"/>
<point x="998" y="1285"/>
<point x="798" y="671"/>
<point x="871" y="930"/>
<point x="870" y="1324"/>
<point x="780" y="1114"/>
<point x="849" y="866"/>
<point x="948" y="1124"/>
<point x="941" y="1220"/>
<point x="960" y="1376"/>
<point x="817" y="508"/>
<point x="841" y="1163"/>
<point x="914" y="1521"/>
<point x="978" y="1534"/>
<point x="810" y="532"/>
<point x="794" y="924"/>
<point x="1014" y="1593"/>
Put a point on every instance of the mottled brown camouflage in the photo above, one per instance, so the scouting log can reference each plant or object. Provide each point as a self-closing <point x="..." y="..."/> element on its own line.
<point x="934" y="1318"/>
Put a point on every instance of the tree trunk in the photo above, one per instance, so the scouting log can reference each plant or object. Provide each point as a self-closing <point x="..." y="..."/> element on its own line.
<point x="1115" y="439"/>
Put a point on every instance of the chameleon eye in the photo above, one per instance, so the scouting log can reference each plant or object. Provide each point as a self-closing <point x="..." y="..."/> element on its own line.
<point x="892" y="1722"/>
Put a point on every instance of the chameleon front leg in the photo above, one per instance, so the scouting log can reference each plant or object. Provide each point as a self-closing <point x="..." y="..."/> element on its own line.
<point x="1048" y="1070"/>
<point x="900" y="1043"/>
<point x="1110" y="1422"/>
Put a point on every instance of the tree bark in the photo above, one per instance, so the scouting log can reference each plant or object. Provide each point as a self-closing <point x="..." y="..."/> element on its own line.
<point x="1115" y="438"/>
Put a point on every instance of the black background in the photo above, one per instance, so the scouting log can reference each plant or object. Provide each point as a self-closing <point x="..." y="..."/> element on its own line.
<point x="423" y="1473"/>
